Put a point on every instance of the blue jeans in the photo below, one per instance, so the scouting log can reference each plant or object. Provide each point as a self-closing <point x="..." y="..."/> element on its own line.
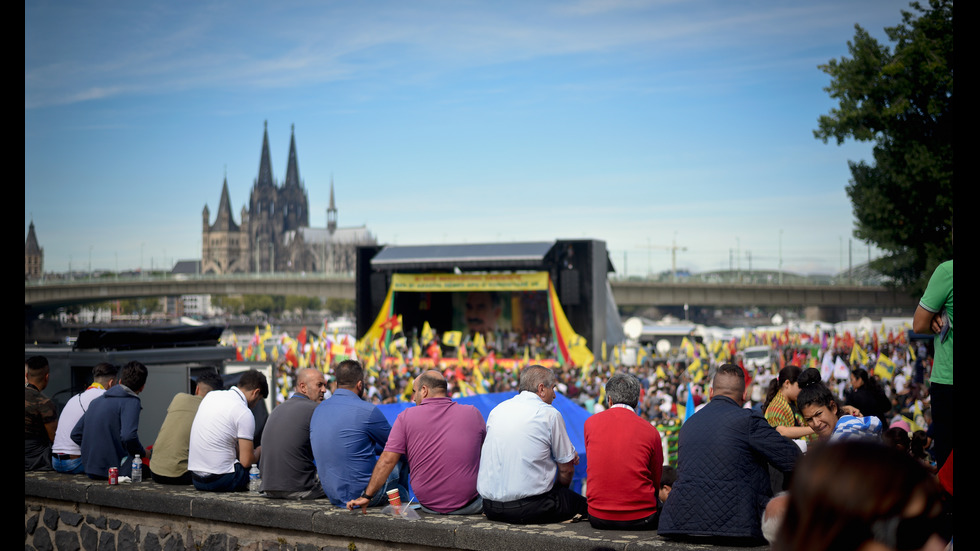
<point x="68" y="466"/>
<point x="397" y="479"/>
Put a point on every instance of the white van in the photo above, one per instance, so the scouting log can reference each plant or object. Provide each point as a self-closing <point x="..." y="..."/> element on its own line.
<point x="757" y="358"/>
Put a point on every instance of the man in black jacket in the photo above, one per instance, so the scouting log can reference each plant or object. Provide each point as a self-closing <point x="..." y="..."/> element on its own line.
<point x="722" y="483"/>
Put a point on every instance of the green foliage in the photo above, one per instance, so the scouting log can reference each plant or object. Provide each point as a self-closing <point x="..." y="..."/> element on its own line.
<point x="902" y="100"/>
<point x="232" y="304"/>
<point x="270" y="304"/>
<point x="303" y="303"/>
<point x="340" y="306"/>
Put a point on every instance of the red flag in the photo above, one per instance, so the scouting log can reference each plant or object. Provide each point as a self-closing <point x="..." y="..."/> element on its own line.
<point x="238" y="354"/>
<point x="302" y="337"/>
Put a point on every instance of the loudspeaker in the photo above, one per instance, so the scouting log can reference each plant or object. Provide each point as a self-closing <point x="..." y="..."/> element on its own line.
<point x="570" y="285"/>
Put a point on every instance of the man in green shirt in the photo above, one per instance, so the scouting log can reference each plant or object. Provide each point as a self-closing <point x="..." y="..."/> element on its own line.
<point x="934" y="315"/>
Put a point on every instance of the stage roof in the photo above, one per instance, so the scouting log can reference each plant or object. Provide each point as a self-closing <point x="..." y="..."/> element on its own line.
<point x="474" y="256"/>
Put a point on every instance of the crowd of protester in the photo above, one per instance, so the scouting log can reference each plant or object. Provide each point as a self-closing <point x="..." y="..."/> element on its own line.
<point x="867" y="384"/>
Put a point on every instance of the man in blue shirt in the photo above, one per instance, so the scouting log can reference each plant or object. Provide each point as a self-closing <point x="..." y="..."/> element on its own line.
<point x="347" y="435"/>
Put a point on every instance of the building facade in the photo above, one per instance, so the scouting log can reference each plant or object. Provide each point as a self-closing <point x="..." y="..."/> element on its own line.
<point x="274" y="234"/>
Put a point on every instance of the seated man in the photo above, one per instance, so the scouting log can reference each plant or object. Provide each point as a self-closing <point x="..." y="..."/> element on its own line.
<point x="287" y="466"/>
<point x="221" y="447"/>
<point x="108" y="432"/>
<point x="441" y="440"/>
<point x="40" y="416"/>
<point x="66" y="455"/>
<point x="626" y="459"/>
<point x="347" y="434"/>
<point x="173" y="441"/>
<point x="526" y="444"/>
<point x="723" y="455"/>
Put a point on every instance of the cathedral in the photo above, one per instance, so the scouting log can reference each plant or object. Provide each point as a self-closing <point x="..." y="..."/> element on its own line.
<point x="275" y="234"/>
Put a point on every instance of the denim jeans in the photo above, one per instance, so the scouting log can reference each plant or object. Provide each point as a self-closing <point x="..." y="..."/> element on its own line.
<point x="68" y="466"/>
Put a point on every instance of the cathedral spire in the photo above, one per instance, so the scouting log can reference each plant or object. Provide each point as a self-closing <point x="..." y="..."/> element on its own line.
<point x="292" y="166"/>
<point x="265" y="162"/>
<point x="224" y="221"/>
<point x="331" y="211"/>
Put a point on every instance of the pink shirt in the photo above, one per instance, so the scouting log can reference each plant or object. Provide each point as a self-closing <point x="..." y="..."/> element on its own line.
<point x="441" y="439"/>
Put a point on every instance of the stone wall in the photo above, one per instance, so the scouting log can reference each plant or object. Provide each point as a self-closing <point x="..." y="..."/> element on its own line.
<point x="50" y="525"/>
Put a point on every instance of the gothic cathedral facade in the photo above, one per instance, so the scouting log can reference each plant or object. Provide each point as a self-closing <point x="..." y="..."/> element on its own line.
<point x="275" y="234"/>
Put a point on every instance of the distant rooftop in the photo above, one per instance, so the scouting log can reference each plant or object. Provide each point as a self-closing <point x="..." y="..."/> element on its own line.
<point x="475" y="256"/>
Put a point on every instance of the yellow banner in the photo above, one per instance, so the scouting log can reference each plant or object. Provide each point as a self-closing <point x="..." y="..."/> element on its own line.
<point x="536" y="281"/>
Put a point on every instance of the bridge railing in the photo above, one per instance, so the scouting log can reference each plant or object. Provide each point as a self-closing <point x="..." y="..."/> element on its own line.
<point x="758" y="277"/>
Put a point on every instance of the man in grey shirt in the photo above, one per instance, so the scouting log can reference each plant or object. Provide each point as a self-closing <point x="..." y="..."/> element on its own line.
<point x="287" y="467"/>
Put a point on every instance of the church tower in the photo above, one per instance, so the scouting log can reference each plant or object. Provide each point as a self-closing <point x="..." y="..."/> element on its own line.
<point x="224" y="244"/>
<point x="265" y="221"/>
<point x="292" y="197"/>
<point x="33" y="256"/>
<point x="331" y="212"/>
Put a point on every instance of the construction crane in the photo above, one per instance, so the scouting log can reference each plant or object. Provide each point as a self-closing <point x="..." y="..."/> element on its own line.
<point x="673" y="255"/>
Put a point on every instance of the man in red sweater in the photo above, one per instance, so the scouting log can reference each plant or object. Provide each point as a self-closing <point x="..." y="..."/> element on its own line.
<point x="625" y="461"/>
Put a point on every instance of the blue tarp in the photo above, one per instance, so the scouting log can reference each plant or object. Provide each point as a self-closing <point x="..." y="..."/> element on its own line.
<point x="574" y="415"/>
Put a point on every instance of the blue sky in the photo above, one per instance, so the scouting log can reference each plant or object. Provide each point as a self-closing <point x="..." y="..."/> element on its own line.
<point x="641" y="123"/>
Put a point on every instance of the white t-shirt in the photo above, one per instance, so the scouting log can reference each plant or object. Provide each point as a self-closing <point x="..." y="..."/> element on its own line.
<point x="526" y="441"/>
<point x="221" y="420"/>
<point x="70" y="415"/>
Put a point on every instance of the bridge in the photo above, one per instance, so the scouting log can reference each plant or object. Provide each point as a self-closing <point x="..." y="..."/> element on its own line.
<point x="52" y="293"/>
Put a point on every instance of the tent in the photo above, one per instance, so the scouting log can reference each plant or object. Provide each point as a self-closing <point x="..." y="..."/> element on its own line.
<point x="573" y="414"/>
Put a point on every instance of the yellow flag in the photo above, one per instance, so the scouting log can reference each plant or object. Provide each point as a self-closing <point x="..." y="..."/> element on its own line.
<point x="452" y="338"/>
<point x="603" y="350"/>
<point x="479" y="344"/>
<point x="427" y="334"/>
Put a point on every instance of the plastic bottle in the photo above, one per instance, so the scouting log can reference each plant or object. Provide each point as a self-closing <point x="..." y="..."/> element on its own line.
<point x="254" y="479"/>
<point x="137" y="474"/>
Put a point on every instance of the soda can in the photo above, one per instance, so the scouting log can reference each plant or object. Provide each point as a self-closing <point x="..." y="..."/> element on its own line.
<point x="113" y="475"/>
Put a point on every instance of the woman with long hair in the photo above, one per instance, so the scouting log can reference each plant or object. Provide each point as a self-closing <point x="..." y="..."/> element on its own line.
<point x="779" y="405"/>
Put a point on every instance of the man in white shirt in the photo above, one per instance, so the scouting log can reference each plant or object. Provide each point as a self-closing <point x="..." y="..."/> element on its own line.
<point x="221" y="445"/>
<point x="66" y="455"/>
<point x="526" y="444"/>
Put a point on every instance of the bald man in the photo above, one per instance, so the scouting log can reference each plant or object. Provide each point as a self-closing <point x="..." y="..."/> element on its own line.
<point x="441" y="439"/>
<point x="287" y="467"/>
<point x="723" y="453"/>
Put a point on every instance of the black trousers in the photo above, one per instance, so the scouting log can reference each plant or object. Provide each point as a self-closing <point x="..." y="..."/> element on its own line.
<point x="557" y="505"/>
<point x="646" y="523"/>
<point x="942" y="421"/>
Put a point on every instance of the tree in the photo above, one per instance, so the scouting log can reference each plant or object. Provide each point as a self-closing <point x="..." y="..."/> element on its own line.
<point x="902" y="100"/>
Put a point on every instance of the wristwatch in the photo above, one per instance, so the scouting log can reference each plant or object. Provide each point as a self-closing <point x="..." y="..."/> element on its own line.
<point x="365" y="495"/>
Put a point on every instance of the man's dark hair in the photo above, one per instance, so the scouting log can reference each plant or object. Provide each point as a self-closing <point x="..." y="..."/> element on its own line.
<point x="668" y="476"/>
<point x="37" y="366"/>
<point x="349" y="373"/>
<point x="533" y="375"/>
<point x="435" y="381"/>
<point x="623" y="388"/>
<point x="133" y="376"/>
<point x="253" y="379"/>
<point x="104" y="372"/>
<point x="212" y="380"/>
<point x="729" y="380"/>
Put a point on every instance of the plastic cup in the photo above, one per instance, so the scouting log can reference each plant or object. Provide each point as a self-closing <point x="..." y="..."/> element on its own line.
<point x="394" y="498"/>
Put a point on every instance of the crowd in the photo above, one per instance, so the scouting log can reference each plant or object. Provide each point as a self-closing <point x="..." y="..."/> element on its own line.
<point x="843" y="426"/>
